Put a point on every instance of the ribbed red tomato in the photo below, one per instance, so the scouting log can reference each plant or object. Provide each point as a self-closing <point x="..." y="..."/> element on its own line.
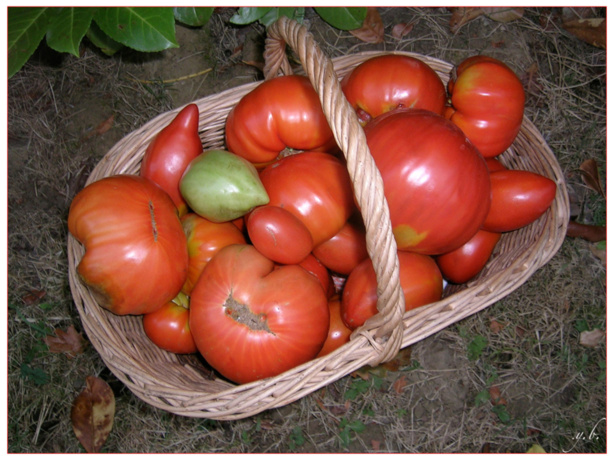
<point x="420" y="280"/>
<point x="170" y="152"/>
<point x="252" y="320"/>
<point x="205" y="239"/>
<point x="518" y="198"/>
<point x="284" y="112"/>
<point x="390" y="81"/>
<point x="436" y="183"/>
<point x="136" y="256"/>
<point x="464" y="263"/>
<point x="169" y="328"/>
<point x="487" y="103"/>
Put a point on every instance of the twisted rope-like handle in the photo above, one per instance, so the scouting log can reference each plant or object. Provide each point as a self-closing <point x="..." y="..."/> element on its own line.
<point x="384" y="330"/>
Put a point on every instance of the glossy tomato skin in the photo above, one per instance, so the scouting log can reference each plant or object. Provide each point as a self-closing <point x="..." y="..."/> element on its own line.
<point x="313" y="186"/>
<point x="136" y="256"/>
<point x="384" y="83"/>
<point x="420" y="279"/>
<point x="168" y="327"/>
<point x="251" y="320"/>
<point x="284" y="112"/>
<point x="170" y="152"/>
<point x="436" y="183"/>
<point x="346" y="249"/>
<point x="518" y="198"/>
<point x="278" y="234"/>
<point x="312" y="265"/>
<point x="204" y="239"/>
<point x="487" y="103"/>
<point x="464" y="263"/>
<point x="338" y="332"/>
<point x="494" y="164"/>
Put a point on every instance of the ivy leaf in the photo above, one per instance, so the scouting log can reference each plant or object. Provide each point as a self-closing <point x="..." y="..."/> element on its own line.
<point x="194" y="16"/>
<point x="343" y="18"/>
<point x="92" y="414"/>
<point x="26" y="28"/>
<point x="476" y="347"/>
<point x="247" y="15"/>
<point x="298" y="14"/>
<point x="67" y="28"/>
<point x="37" y="375"/>
<point x="106" y="44"/>
<point x="142" y="28"/>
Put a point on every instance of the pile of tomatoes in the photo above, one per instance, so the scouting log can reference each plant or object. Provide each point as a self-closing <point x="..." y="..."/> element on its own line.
<point x="256" y="257"/>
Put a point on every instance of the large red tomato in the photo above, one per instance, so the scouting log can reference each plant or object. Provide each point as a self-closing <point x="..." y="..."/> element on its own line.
<point x="170" y="152"/>
<point x="464" y="263"/>
<point x="205" y="238"/>
<point x="387" y="82"/>
<point x="436" y="183"/>
<point x="487" y="103"/>
<point x="420" y="280"/>
<point x="284" y="112"/>
<point x="313" y="186"/>
<point x="518" y="198"/>
<point x="251" y="320"/>
<point x="136" y="256"/>
<point x="169" y="328"/>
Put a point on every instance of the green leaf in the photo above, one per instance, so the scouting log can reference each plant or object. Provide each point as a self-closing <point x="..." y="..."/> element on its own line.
<point x="67" y="28"/>
<point x="36" y="375"/>
<point x="247" y="15"/>
<point x="476" y="347"/>
<point x="298" y="14"/>
<point x="502" y="413"/>
<point x="143" y="28"/>
<point x="98" y="38"/>
<point x="344" y="18"/>
<point x="193" y="16"/>
<point x="26" y="28"/>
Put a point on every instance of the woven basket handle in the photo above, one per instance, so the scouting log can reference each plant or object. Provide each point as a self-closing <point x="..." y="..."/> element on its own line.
<point x="384" y="330"/>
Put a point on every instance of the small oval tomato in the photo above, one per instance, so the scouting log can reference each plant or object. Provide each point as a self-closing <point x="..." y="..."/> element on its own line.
<point x="420" y="280"/>
<point x="284" y="112"/>
<point x="518" y="198"/>
<point x="205" y="239"/>
<point x="313" y="186"/>
<point x="338" y="332"/>
<point x="464" y="263"/>
<point x="251" y="320"/>
<point x="387" y="82"/>
<point x="436" y="183"/>
<point x="170" y="152"/>
<point x="278" y="234"/>
<point x="494" y="164"/>
<point x="136" y="256"/>
<point x="346" y="249"/>
<point x="168" y="327"/>
<point x="487" y="103"/>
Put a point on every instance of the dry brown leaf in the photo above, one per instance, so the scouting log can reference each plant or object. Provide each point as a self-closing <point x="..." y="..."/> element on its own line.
<point x="33" y="297"/>
<point x="68" y="342"/>
<point x="592" y="338"/>
<point x="92" y="414"/>
<point x="400" y="384"/>
<point x="401" y="30"/>
<point x="372" y="30"/>
<point x="599" y="253"/>
<point x="495" y="396"/>
<point x="590" y="175"/>
<point x="376" y="444"/>
<point x="504" y="14"/>
<point x="105" y="126"/>
<point x="586" y="231"/>
<point x="590" y="30"/>
<point x="495" y="326"/>
<point x="463" y="15"/>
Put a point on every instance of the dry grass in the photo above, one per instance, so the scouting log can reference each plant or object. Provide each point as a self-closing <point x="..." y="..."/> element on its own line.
<point x="554" y="388"/>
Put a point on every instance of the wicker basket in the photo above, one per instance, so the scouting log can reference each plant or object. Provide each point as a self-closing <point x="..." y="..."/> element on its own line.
<point x="184" y="386"/>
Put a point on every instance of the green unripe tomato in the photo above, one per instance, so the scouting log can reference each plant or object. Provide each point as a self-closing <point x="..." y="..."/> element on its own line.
<point x="221" y="186"/>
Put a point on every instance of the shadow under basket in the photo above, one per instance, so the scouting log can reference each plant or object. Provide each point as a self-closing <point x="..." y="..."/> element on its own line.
<point x="185" y="385"/>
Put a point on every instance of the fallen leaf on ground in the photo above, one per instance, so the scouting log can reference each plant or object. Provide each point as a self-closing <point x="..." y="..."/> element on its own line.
<point x="495" y="326"/>
<point x="592" y="338"/>
<point x="535" y="448"/>
<point x="599" y="252"/>
<point x="92" y="414"/>
<point x="401" y="30"/>
<point x="590" y="30"/>
<point x="495" y="396"/>
<point x="400" y="384"/>
<point x="33" y="297"/>
<point x="591" y="176"/>
<point x="586" y="231"/>
<point x="463" y="15"/>
<point x="68" y="342"/>
<point x="372" y="30"/>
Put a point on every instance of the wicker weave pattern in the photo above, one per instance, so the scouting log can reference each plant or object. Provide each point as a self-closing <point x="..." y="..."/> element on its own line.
<point x="183" y="386"/>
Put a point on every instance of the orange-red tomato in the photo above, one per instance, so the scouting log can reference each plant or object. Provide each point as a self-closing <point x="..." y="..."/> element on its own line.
<point x="464" y="263"/>
<point x="284" y="112"/>
<point x="136" y="256"/>
<point x="252" y="320"/>
<point x="170" y="152"/>
<point x="205" y="239"/>
<point x="338" y="332"/>
<point x="518" y="198"/>
<point x="312" y="265"/>
<point x="420" y="279"/>
<point x="387" y="82"/>
<point x="168" y="327"/>
<point x="487" y="103"/>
